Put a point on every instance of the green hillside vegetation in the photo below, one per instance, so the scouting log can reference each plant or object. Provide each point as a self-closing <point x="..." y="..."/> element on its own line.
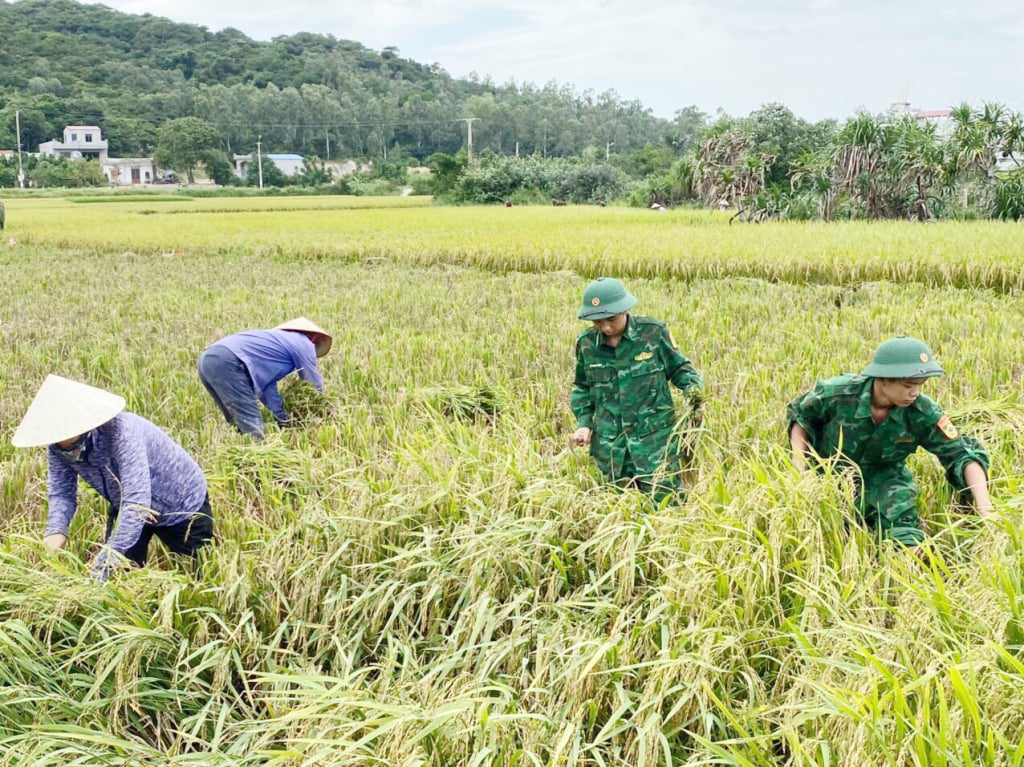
<point x="64" y="63"/>
<point x="152" y="84"/>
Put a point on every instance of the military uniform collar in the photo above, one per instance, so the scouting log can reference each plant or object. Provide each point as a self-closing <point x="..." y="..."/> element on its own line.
<point x="629" y="332"/>
<point x="864" y="404"/>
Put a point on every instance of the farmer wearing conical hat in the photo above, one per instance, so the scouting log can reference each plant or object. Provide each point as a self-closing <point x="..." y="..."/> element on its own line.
<point x="621" y="396"/>
<point x="242" y="370"/>
<point x="874" y="421"/>
<point x="152" y="485"/>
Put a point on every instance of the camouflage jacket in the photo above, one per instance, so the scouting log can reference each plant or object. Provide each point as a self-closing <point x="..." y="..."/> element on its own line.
<point x="836" y="414"/>
<point x="622" y="393"/>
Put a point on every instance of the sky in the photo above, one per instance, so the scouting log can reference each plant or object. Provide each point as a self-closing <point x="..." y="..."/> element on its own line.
<point x="821" y="58"/>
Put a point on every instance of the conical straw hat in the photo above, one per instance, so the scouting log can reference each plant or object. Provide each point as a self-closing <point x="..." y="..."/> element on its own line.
<point x="63" y="409"/>
<point x="302" y="325"/>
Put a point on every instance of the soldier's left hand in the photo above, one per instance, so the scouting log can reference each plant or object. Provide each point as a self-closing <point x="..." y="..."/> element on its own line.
<point x="581" y="437"/>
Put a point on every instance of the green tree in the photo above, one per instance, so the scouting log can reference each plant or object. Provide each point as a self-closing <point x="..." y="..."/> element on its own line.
<point x="272" y="175"/>
<point x="218" y="168"/>
<point x="686" y="129"/>
<point x="314" y="173"/>
<point x="445" y="170"/>
<point x="184" y="143"/>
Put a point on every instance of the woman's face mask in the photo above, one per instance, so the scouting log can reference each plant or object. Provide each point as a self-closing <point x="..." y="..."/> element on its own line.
<point x="76" y="450"/>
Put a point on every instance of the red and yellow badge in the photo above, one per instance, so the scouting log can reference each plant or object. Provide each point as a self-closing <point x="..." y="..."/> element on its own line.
<point x="595" y="301"/>
<point x="946" y="427"/>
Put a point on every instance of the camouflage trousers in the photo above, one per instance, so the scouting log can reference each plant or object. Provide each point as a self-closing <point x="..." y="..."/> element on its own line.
<point x="666" y="484"/>
<point x="887" y="502"/>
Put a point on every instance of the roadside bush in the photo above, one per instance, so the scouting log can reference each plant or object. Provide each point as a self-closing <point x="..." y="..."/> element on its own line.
<point x="61" y="172"/>
<point x="1009" y="202"/>
<point x="499" y="178"/>
<point x="372" y="187"/>
<point x="420" y="183"/>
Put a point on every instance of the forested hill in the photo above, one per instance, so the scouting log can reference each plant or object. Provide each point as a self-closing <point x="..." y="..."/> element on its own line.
<point x="64" y="63"/>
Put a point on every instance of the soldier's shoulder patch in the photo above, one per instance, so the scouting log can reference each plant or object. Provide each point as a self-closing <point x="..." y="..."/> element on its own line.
<point x="672" y="340"/>
<point x="946" y="427"/>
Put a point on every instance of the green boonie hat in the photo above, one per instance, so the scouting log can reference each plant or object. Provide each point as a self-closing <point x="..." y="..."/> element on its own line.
<point x="903" y="357"/>
<point x="605" y="297"/>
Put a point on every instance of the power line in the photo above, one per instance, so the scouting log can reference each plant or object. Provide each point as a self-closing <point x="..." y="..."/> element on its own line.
<point x="355" y="125"/>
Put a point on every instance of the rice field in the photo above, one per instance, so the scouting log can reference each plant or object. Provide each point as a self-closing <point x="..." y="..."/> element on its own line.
<point x="425" y="574"/>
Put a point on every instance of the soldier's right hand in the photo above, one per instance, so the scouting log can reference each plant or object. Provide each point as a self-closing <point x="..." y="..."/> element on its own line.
<point x="581" y="437"/>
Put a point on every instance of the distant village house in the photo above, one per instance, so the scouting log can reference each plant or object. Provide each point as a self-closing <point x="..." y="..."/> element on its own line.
<point x="80" y="141"/>
<point x="288" y="164"/>
<point x="126" y="171"/>
<point x="87" y="142"/>
<point x="291" y="164"/>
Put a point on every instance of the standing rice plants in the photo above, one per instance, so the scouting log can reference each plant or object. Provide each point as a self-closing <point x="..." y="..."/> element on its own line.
<point x="424" y="573"/>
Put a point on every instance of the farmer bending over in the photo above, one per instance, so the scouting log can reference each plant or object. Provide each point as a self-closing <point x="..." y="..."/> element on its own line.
<point x="152" y="486"/>
<point x="242" y="370"/>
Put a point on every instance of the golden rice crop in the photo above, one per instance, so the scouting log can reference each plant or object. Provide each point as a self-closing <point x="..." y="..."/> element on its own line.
<point x="424" y="573"/>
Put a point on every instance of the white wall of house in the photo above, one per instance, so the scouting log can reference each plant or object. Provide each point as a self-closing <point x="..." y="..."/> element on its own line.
<point x="129" y="171"/>
<point x="79" y="141"/>
<point x="288" y="164"/>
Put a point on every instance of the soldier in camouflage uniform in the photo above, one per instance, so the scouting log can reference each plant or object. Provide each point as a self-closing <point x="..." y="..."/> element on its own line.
<point x="621" y="398"/>
<point x="873" y="421"/>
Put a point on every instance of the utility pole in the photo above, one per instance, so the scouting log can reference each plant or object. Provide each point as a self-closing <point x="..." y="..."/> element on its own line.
<point x="327" y="135"/>
<point x="469" y="129"/>
<point x="21" y="173"/>
<point x="259" y="158"/>
<point x="607" y="149"/>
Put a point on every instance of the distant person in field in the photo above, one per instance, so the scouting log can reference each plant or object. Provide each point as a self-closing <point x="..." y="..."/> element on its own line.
<point x="242" y="370"/>
<point x="621" y="396"/>
<point x="872" y="422"/>
<point x="152" y="486"/>
<point x="3" y="215"/>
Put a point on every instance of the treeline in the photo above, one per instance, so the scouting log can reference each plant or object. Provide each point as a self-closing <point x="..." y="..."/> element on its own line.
<point x="191" y="97"/>
<point x="965" y="165"/>
<point x="773" y="165"/>
<point x="63" y="63"/>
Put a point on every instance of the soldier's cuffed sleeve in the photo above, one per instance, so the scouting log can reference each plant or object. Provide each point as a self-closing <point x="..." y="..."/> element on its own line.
<point x="955" y="451"/>
<point x="678" y="369"/>
<point x="808" y="410"/>
<point x="581" y="402"/>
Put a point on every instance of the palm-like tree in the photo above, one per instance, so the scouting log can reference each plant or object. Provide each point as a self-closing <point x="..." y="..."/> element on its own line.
<point x="858" y="154"/>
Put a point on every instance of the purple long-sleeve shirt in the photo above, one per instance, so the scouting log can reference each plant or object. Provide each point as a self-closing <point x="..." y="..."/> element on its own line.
<point x="137" y="468"/>
<point x="270" y="355"/>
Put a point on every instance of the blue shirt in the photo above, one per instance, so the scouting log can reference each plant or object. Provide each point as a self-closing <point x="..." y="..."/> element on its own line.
<point x="270" y="355"/>
<point x="137" y="468"/>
